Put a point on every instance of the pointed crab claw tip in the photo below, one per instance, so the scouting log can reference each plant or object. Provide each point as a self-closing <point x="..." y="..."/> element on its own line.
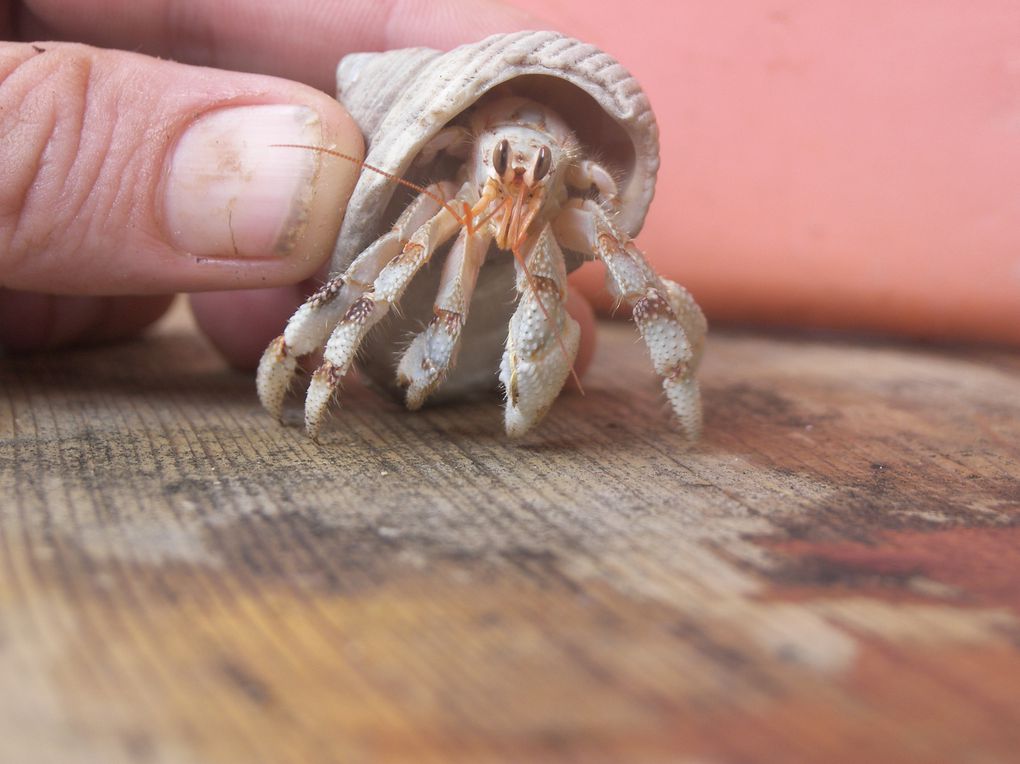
<point x="691" y="430"/>
<point x="414" y="399"/>
<point x="516" y="425"/>
<point x="312" y="429"/>
<point x="320" y="394"/>
<point x="420" y="388"/>
<point x="276" y="369"/>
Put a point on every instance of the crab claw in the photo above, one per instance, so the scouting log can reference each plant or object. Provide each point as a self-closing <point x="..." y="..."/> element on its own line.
<point x="532" y="384"/>
<point x="276" y="371"/>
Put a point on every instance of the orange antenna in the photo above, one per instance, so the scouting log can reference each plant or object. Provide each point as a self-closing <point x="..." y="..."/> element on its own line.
<point x="384" y="173"/>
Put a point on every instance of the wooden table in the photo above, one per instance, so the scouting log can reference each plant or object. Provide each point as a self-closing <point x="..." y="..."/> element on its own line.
<point x="832" y="575"/>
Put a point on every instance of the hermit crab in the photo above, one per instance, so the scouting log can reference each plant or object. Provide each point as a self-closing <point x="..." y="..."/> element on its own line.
<point x="528" y="152"/>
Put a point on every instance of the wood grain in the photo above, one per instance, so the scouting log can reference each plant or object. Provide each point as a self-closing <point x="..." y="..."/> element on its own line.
<point x="833" y="574"/>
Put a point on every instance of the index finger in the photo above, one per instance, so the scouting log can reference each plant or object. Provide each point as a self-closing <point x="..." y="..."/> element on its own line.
<point x="300" y="40"/>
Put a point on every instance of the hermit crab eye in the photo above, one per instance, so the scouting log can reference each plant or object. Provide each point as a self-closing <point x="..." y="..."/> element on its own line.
<point x="501" y="156"/>
<point x="543" y="163"/>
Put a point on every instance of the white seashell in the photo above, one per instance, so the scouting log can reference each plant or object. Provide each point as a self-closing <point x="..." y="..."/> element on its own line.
<point x="403" y="98"/>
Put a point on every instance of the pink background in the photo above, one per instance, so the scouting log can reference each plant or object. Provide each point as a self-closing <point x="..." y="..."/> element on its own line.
<point x="850" y="165"/>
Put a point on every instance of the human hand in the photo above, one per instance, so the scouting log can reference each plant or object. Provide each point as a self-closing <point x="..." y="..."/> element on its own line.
<point x="122" y="174"/>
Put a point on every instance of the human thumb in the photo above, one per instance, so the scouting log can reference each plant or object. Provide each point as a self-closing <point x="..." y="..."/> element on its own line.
<point x="124" y="174"/>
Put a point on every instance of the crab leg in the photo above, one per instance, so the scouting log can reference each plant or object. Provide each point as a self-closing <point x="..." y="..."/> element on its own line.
<point x="309" y="327"/>
<point x="671" y="323"/>
<point x="366" y="311"/>
<point x="543" y="338"/>
<point x="433" y="351"/>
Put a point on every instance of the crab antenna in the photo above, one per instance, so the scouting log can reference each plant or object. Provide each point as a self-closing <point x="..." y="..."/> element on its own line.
<point x="373" y="168"/>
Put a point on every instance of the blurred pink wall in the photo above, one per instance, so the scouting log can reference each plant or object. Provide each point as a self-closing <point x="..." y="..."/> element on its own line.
<point x="852" y="165"/>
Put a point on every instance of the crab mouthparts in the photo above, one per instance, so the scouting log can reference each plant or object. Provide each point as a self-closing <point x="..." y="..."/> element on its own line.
<point x="516" y="212"/>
